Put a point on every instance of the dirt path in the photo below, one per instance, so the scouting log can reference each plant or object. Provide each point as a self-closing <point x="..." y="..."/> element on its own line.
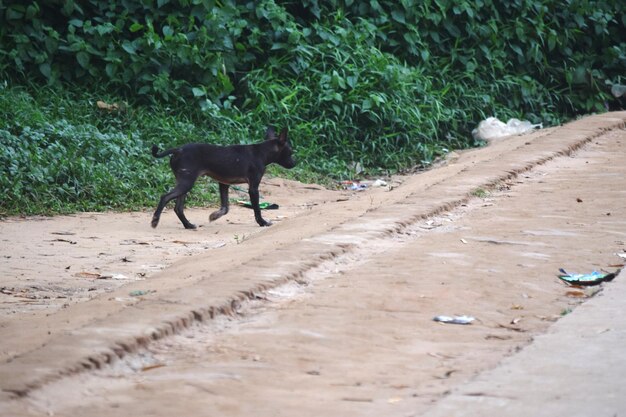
<point x="330" y="309"/>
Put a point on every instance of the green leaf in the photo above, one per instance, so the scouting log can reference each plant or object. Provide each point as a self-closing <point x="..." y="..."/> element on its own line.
<point x="517" y="50"/>
<point x="129" y="47"/>
<point x="14" y="14"/>
<point x="32" y="10"/>
<point x="136" y="27"/>
<point x="83" y="59"/>
<point x="398" y="16"/>
<point x="168" y="32"/>
<point x="77" y="23"/>
<point x="198" y="92"/>
<point x="45" y="69"/>
<point x="110" y="69"/>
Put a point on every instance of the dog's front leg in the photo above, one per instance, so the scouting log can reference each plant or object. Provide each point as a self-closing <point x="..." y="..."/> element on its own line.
<point x="224" y="203"/>
<point x="254" y="200"/>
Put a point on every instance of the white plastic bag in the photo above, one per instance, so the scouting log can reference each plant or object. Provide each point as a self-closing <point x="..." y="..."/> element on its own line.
<point x="492" y="128"/>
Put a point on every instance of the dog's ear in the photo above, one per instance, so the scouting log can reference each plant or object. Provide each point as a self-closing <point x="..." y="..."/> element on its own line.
<point x="282" y="137"/>
<point x="270" y="133"/>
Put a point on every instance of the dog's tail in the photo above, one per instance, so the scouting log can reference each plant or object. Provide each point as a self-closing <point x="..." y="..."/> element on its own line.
<point x="156" y="154"/>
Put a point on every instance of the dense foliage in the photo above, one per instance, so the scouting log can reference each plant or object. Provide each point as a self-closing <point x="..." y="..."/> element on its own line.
<point x="378" y="84"/>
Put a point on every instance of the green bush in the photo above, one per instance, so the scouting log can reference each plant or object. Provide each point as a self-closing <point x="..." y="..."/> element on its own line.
<point x="374" y="85"/>
<point x="55" y="157"/>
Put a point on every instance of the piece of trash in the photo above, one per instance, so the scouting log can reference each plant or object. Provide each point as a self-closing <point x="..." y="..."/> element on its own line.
<point x="379" y="183"/>
<point x="455" y="319"/>
<point x="446" y="375"/>
<point x="262" y="205"/>
<point x="357" y="187"/>
<point x="497" y="336"/>
<point x="151" y="367"/>
<point x="184" y="242"/>
<point x="515" y="329"/>
<point x="71" y="242"/>
<point x="138" y="293"/>
<point x="492" y="128"/>
<point x="593" y="278"/>
<point x="621" y="255"/>
<point x="133" y="242"/>
<point x="463" y="241"/>
<point x="118" y="276"/>
<point x="579" y="200"/>
<point x="84" y="274"/>
<point x="553" y="317"/>
<point x="394" y="400"/>
<point x="353" y="185"/>
<point x="358" y="400"/>
<point x="105" y="106"/>
<point x="440" y="355"/>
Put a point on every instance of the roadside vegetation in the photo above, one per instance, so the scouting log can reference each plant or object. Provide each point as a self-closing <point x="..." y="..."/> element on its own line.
<point x="365" y="87"/>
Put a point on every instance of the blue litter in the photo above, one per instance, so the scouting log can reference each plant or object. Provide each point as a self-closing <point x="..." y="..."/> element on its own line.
<point x="593" y="278"/>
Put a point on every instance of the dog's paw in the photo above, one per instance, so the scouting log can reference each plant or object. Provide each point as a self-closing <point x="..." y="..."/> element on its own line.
<point x="265" y="223"/>
<point x="191" y="226"/>
<point x="217" y="214"/>
<point x="154" y="223"/>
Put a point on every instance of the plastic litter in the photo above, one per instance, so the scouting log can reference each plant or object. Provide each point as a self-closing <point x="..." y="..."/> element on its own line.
<point x="492" y="128"/>
<point x="379" y="183"/>
<point x="262" y="205"/>
<point x="593" y="278"/>
<point x="455" y="319"/>
<point x="139" y="293"/>
<point x="358" y="187"/>
<point x="353" y="185"/>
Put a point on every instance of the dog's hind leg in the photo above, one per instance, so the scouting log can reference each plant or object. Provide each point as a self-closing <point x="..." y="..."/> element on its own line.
<point x="182" y="187"/>
<point x="179" y="209"/>
<point x="224" y="203"/>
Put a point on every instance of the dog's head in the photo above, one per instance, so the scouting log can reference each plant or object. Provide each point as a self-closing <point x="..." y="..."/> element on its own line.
<point x="284" y="150"/>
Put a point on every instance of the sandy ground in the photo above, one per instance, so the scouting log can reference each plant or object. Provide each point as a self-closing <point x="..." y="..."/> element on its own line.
<point x="329" y="311"/>
<point x="49" y="263"/>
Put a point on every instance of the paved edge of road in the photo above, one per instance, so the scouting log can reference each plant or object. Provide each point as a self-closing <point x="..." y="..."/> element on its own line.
<point x="157" y="316"/>
<point x="575" y="369"/>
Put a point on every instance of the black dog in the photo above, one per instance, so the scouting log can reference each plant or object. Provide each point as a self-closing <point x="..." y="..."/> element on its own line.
<point x="228" y="165"/>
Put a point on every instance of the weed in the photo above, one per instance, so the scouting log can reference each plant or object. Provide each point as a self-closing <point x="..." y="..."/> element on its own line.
<point x="240" y="239"/>
<point x="480" y="193"/>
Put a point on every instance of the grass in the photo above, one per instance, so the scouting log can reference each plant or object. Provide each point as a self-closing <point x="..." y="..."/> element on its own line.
<point x="61" y="153"/>
<point x="480" y="193"/>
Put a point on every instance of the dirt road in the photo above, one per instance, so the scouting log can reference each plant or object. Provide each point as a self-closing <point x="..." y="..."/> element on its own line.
<point x="329" y="311"/>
